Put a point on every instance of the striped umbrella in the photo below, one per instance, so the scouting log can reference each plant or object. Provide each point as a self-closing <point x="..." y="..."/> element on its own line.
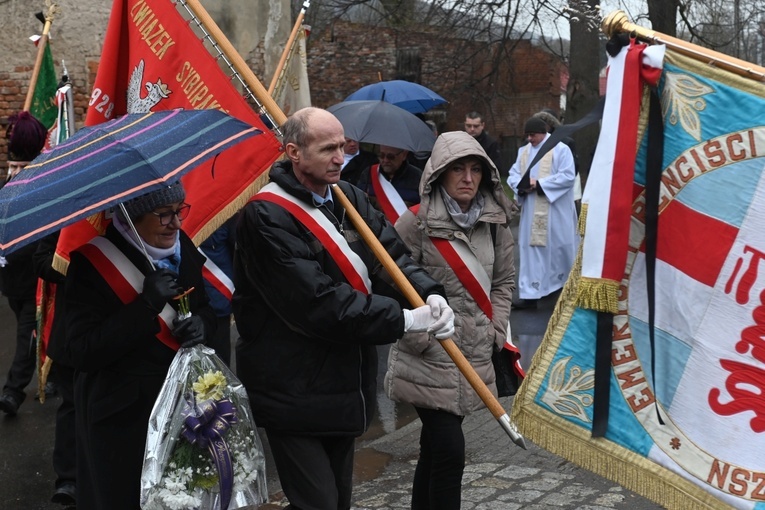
<point x="109" y="163"/>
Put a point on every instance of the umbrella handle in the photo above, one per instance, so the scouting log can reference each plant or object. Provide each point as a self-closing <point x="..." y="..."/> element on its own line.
<point x="140" y="241"/>
<point x="411" y="295"/>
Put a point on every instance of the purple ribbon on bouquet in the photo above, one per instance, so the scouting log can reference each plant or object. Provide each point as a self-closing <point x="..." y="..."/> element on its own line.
<point x="205" y="425"/>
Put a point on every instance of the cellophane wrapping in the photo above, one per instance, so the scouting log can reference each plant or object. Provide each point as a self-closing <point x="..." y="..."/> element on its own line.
<point x="201" y="418"/>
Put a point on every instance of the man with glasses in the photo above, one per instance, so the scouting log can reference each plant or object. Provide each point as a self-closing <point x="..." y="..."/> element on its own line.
<point x="547" y="235"/>
<point x="394" y="184"/>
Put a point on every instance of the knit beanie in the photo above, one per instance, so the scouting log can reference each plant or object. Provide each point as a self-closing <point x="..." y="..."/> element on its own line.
<point x="535" y="125"/>
<point x="26" y="137"/>
<point x="170" y="194"/>
<point x="549" y="119"/>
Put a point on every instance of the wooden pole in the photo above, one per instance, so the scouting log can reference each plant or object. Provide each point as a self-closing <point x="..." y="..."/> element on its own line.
<point x="287" y="50"/>
<point x="41" y="44"/>
<point x="411" y="295"/>
<point x="240" y="66"/>
<point x="617" y="22"/>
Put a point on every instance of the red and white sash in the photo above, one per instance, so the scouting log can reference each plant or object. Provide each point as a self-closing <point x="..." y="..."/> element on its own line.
<point x="216" y="277"/>
<point x="390" y="201"/>
<point x="350" y="264"/>
<point x="126" y="280"/>
<point x="476" y="281"/>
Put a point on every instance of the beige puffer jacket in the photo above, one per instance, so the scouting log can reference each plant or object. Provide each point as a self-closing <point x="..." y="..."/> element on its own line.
<point x="419" y="370"/>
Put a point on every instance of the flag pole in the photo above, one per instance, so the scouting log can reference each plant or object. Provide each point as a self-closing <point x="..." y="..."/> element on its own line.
<point x="41" y="44"/>
<point x="411" y="295"/>
<point x="617" y="22"/>
<point x="238" y="63"/>
<point x="288" y="47"/>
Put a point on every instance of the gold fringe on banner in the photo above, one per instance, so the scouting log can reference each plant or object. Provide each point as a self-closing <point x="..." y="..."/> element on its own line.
<point x="583" y="219"/>
<point x="232" y="208"/>
<point x="598" y="294"/>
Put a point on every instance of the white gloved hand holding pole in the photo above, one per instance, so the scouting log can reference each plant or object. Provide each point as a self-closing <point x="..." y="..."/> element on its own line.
<point x="443" y="317"/>
<point x="417" y="320"/>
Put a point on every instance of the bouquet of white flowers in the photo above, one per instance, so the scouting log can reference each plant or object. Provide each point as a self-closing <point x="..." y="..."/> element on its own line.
<point x="202" y="450"/>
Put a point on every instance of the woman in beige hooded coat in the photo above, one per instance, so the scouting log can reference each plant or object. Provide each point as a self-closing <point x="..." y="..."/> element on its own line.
<point x="463" y="203"/>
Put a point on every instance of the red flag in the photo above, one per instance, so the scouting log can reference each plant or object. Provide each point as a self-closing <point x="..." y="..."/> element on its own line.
<point x="152" y="60"/>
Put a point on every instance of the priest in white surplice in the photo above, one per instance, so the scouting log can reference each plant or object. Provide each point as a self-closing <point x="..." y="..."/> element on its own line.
<point x="547" y="234"/>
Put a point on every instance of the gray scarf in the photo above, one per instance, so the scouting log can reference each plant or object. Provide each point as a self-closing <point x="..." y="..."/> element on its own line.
<point x="467" y="219"/>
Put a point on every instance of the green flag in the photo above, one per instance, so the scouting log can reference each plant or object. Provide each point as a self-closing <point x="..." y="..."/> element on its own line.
<point x="44" y="99"/>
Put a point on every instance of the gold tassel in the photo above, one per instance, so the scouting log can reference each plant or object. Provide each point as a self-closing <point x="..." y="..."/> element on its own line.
<point x="583" y="219"/>
<point x="598" y="294"/>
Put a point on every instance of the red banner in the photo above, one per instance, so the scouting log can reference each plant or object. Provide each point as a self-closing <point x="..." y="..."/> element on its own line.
<point x="153" y="61"/>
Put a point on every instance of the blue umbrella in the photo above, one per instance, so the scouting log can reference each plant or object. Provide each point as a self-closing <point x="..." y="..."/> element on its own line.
<point x="408" y="95"/>
<point x="103" y="165"/>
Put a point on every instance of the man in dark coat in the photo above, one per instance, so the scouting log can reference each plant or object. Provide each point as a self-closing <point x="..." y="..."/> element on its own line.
<point x="396" y="168"/>
<point x="476" y="127"/>
<point x="311" y="303"/>
<point x="355" y="161"/>
<point x="118" y="345"/>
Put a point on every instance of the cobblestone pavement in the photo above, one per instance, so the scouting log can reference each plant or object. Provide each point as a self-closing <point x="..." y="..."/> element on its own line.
<point x="498" y="474"/>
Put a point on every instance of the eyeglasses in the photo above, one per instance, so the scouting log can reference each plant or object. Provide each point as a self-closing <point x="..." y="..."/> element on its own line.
<point x="166" y="218"/>
<point x="388" y="155"/>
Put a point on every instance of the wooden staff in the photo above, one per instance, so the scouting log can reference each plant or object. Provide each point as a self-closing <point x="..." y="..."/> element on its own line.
<point x="288" y="48"/>
<point x="410" y="293"/>
<point x="617" y="22"/>
<point x="41" y="44"/>
<point x="240" y="66"/>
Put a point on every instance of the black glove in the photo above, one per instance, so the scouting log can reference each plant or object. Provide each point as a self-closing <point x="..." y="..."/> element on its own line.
<point x="159" y="287"/>
<point x="189" y="331"/>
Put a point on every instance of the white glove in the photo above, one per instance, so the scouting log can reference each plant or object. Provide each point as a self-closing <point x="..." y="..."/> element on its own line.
<point x="417" y="320"/>
<point x="443" y="317"/>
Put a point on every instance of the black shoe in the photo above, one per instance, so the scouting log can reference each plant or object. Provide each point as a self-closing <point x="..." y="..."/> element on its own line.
<point x="9" y="404"/>
<point x="65" y="495"/>
<point x="524" y="304"/>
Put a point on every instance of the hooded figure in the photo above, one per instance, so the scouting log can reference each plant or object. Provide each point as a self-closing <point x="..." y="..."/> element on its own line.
<point x="26" y="138"/>
<point x="463" y="204"/>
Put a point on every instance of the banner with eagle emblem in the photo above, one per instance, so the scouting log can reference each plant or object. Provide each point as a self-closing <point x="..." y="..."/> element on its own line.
<point x="152" y="60"/>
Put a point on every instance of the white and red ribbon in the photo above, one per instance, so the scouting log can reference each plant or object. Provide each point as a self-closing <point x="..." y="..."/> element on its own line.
<point x="350" y="264"/>
<point x="390" y="201"/>
<point x="126" y="280"/>
<point x="608" y="195"/>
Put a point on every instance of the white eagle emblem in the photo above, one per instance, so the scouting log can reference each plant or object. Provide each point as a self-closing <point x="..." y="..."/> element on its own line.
<point x="157" y="92"/>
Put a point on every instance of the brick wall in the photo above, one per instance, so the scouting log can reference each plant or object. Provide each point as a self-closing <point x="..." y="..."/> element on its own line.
<point x="348" y="56"/>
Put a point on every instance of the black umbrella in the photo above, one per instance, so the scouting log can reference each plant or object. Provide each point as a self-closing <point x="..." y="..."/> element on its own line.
<point x="382" y="123"/>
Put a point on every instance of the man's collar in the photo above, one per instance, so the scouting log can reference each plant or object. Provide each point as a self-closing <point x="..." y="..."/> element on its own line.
<point x="318" y="200"/>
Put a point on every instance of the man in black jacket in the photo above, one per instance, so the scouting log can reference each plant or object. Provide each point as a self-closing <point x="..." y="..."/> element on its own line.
<point x="476" y="127"/>
<point x="311" y="303"/>
<point x="355" y="161"/>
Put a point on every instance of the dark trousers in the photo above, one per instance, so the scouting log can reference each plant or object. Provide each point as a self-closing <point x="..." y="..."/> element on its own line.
<point x="221" y="341"/>
<point x="25" y="359"/>
<point x="316" y="473"/>
<point x="438" y="477"/>
<point x="64" y="448"/>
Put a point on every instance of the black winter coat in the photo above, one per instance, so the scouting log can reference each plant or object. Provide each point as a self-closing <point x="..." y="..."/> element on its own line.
<point x="121" y="367"/>
<point x="307" y="352"/>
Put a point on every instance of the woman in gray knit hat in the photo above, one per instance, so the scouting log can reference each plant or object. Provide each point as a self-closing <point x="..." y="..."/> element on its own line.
<point x="122" y="331"/>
